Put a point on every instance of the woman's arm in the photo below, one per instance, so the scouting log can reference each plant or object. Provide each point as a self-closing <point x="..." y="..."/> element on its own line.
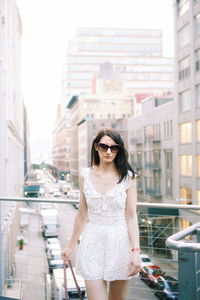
<point x="79" y="224"/>
<point x="133" y="229"/>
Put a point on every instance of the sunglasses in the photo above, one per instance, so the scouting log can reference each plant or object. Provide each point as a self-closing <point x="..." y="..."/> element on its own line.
<point x="104" y="148"/>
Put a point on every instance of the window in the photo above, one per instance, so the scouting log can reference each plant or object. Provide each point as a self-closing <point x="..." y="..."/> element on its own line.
<point x="168" y="129"/>
<point x="186" y="165"/>
<point x="198" y="95"/>
<point x="186" y="195"/>
<point x="156" y="131"/>
<point x="168" y="160"/>
<point x="197" y="24"/>
<point x="198" y="165"/>
<point x="183" y="36"/>
<point x="198" y="197"/>
<point x="182" y="7"/>
<point x="185" y="132"/>
<point x="169" y="173"/>
<point x="198" y="130"/>
<point x="184" y="68"/>
<point x="184" y="101"/>
<point x="148" y="133"/>
<point x="197" y="54"/>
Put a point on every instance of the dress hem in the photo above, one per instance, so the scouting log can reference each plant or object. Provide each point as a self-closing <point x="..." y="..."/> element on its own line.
<point x="103" y="278"/>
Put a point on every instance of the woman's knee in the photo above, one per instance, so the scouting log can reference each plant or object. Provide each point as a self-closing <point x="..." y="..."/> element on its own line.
<point x="96" y="289"/>
<point x="118" y="290"/>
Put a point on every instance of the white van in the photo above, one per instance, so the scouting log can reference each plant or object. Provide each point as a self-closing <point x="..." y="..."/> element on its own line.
<point x="49" y="222"/>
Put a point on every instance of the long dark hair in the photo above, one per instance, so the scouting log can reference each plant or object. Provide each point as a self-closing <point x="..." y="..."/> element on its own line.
<point x="121" y="159"/>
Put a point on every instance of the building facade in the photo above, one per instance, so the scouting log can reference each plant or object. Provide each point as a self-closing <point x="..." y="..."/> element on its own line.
<point x="11" y="133"/>
<point x="187" y="98"/>
<point x="61" y="142"/>
<point x="151" y="147"/>
<point x="135" y="54"/>
<point x="108" y="102"/>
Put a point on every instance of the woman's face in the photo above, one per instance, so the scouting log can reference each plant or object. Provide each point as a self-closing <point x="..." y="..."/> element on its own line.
<point x="106" y="154"/>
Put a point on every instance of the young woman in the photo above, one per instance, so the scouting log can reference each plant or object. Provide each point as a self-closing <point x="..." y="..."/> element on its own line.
<point x="109" y="250"/>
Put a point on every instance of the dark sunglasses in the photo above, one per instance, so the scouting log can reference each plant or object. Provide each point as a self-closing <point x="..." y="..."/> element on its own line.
<point x="104" y="148"/>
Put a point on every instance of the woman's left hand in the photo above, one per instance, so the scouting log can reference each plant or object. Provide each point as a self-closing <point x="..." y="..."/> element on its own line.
<point x="135" y="263"/>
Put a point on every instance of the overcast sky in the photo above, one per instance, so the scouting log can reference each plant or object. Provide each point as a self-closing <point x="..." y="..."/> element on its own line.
<point x="49" y="24"/>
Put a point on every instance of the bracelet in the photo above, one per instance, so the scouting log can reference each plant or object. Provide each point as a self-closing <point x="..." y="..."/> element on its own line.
<point x="135" y="249"/>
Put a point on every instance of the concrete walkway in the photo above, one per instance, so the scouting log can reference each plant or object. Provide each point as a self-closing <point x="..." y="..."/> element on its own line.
<point x="31" y="263"/>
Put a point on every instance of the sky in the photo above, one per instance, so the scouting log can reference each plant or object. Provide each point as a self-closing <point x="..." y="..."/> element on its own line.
<point x="47" y="25"/>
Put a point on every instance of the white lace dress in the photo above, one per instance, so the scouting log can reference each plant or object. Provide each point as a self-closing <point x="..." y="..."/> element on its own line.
<point x="104" y="250"/>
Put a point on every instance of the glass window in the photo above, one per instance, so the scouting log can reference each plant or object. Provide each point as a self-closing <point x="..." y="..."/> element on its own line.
<point x="156" y="131"/>
<point x="198" y="95"/>
<point x="186" y="165"/>
<point x="186" y="195"/>
<point x="198" y="197"/>
<point x="183" y="6"/>
<point x="184" y="101"/>
<point x="183" y="36"/>
<point x="198" y="130"/>
<point x="184" y="68"/>
<point x="148" y="133"/>
<point x="198" y="165"/>
<point x="197" y="55"/>
<point x="185" y="132"/>
<point x="197" y="24"/>
<point x="169" y="173"/>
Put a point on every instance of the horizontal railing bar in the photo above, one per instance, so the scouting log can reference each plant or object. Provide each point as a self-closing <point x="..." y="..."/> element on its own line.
<point x="173" y="242"/>
<point x="71" y="201"/>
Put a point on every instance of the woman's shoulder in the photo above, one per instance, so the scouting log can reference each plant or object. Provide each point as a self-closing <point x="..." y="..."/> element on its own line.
<point x="84" y="172"/>
<point x="129" y="179"/>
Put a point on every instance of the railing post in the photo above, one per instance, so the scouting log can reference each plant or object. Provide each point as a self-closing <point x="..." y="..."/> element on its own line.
<point x="188" y="275"/>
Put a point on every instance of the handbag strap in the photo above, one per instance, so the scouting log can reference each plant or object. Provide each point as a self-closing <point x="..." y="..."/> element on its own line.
<point x="75" y="280"/>
<point x="65" y="281"/>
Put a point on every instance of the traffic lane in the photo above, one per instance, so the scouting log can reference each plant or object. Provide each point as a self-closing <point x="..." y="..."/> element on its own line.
<point x="66" y="216"/>
<point x="138" y="290"/>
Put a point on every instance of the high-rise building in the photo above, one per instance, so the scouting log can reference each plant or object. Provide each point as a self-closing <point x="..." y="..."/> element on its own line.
<point x="11" y="134"/>
<point x="187" y="99"/>
<point x="108" y="102"/>
<point x="136" y="54"/>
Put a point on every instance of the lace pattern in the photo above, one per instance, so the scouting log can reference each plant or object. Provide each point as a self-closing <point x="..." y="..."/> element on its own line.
<point x="104" y="250"/>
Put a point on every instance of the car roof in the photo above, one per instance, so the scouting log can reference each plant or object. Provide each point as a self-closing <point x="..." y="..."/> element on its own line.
<point x="56" y="251"/>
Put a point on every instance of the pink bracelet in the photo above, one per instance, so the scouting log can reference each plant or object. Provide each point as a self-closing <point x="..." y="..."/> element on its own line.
<point x="135" y="249"/>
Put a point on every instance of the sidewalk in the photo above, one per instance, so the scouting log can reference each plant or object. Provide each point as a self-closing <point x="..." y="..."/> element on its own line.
<point x="31" y="263"/>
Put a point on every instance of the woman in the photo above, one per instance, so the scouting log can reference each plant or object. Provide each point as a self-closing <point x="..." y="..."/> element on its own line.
<point x="109" y="250"/>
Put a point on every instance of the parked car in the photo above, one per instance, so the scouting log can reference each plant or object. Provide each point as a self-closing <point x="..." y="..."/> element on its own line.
<point x="56" y="192"/>
<point x="46" y="205"/>
<point x="146" y="260"/>
<point x="73" y="194"/>
<point x="166" y="288"/>
<point x="150" y="274"/>
<point x="52" y="247"/>
<point x="50" y="241"/>
<point x="55" y="260"/>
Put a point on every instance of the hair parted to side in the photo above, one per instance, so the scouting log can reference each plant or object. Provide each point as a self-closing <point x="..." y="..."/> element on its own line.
<point x="121" y="159"/>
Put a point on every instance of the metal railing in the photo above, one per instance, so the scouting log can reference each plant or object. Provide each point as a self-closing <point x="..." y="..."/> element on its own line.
<point x="189" y="261"/>
<point x="157" y="222"/>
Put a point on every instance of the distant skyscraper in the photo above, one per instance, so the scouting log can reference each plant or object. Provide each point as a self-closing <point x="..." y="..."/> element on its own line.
<point x="135" y="54"/>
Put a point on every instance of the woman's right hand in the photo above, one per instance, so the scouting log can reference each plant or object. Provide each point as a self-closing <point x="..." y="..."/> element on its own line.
<point x="66" y="253"/>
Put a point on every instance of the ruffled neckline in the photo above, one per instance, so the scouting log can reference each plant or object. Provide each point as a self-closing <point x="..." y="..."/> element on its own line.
<point x="97" y="192"/>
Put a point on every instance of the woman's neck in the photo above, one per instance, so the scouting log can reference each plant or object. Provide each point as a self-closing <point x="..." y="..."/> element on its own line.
<point x="105" y="168"/>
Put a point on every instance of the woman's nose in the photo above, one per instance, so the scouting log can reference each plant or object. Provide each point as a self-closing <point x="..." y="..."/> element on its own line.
<point x="108" y="151"/>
